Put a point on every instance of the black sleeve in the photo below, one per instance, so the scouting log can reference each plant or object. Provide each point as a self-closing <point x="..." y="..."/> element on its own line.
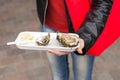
<point x="94" y="22"/>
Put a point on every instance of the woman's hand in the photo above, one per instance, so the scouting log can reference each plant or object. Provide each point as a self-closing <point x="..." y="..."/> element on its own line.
<point x="79" y="49"/>
<point x="59" y="53"/>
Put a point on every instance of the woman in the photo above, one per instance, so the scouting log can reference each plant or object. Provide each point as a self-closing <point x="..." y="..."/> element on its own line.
<point x="84" y="17"/>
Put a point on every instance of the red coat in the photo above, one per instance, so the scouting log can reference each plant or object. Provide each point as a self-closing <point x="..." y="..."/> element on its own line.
<point x="112" y="28"/>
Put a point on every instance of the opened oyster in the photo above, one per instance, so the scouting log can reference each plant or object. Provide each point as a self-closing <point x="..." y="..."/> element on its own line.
<point x="44" y="40"/>
<point x="67" y="40"/>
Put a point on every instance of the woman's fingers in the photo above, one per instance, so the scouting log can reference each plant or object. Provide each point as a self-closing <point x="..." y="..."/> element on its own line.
<point x="59" y="53"/>
<point x="79" y="49"/>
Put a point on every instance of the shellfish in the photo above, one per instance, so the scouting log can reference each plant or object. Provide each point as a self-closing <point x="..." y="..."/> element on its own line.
<point x="43" y="41"/>
<point x="67" y="40"/>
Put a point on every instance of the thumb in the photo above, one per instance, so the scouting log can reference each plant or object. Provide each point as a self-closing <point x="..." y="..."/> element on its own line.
<point x="79" y="50"/>
<point x="81" y="46"/>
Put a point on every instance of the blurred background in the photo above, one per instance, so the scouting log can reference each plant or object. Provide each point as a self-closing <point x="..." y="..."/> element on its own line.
<point x="15" y="64"/>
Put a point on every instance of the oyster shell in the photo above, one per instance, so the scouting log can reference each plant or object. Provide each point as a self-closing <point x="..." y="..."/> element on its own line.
<point x="44" y="40"/>
<point x="67" y="40"/>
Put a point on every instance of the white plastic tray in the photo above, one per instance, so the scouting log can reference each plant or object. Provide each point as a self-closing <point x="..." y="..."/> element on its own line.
<point x="31" y="44"/>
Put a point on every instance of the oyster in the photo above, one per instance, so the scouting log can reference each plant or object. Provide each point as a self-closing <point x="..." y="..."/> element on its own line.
<point x="67" y="40"/>
<point x="44" y="40"/>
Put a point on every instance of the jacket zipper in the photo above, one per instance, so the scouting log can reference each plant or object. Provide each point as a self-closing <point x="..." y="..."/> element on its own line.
<point x="45" y="11"/>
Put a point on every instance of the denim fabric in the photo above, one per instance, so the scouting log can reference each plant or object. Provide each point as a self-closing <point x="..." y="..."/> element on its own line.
<point x="82" y="65"/>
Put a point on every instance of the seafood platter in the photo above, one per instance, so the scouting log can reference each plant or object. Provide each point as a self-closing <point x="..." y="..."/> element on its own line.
<point x="45" y="40"/>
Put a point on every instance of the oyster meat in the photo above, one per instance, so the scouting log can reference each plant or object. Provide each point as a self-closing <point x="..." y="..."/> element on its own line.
<point x="43" y="41"/>
<point x="67" y="40"/>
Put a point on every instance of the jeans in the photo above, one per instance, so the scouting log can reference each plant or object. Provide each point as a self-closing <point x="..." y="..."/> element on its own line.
<point x="82" y="65"/>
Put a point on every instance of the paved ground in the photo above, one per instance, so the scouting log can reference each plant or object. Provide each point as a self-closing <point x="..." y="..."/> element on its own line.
<point x="15" y="64"/>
